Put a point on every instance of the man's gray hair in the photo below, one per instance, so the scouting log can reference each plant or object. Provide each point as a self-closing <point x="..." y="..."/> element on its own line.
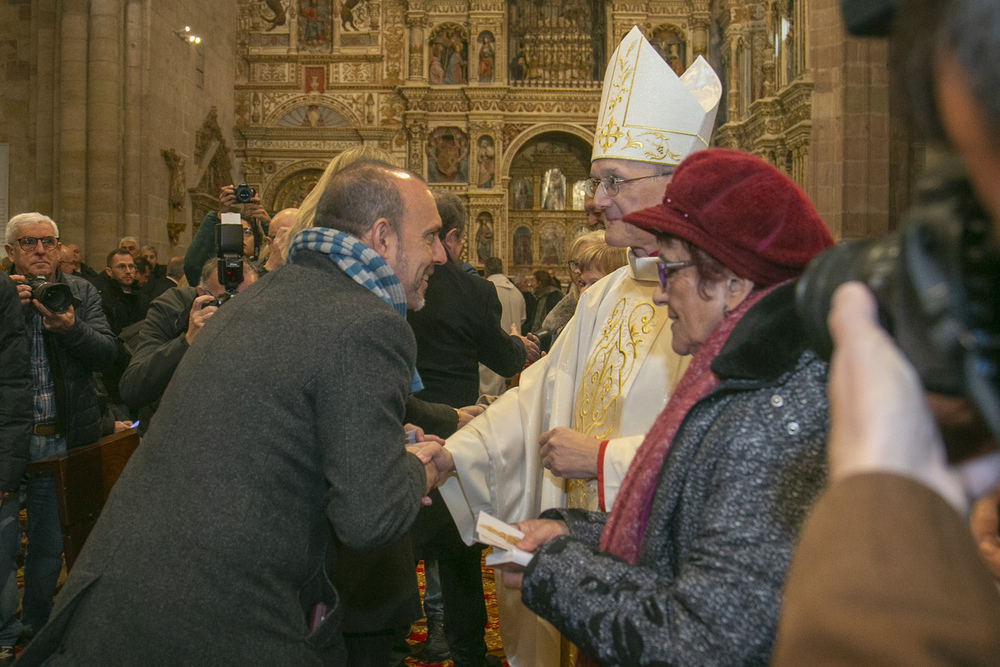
<point x="149" y="248"/>
<point x="453" y="215"/>
<point x="211" y="268"/>
<point x="25" y="219"/>
<point x="175" y="268"/>
<point x="361" y="194"/>
<point x="129" y="238"/>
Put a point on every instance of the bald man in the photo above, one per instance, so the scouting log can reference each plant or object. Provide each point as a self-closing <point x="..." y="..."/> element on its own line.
<point x="280" y="224"/>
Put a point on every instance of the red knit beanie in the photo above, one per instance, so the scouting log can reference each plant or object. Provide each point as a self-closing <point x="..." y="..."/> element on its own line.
<point x="741" y="211"/>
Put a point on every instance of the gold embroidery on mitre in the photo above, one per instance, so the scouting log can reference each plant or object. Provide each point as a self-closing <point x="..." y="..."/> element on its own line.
<point x="621" y="84"/>
<point x="609" y="367"/>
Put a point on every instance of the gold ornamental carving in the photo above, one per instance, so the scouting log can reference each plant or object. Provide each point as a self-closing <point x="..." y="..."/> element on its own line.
<point x="609" y="367"/>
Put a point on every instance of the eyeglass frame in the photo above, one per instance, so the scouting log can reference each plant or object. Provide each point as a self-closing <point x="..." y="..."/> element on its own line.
<point x="668" y="269"/>
<point x="35" y="240"/>
<point x="612" y="184"/>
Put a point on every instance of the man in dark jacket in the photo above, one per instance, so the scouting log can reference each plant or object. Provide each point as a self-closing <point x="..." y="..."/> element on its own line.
<point x="66" y="349"/>
<point x="458" y="328"/>
<point x="213" y="547"/>
<point x="170" y="327"/>
<point x="15" y="436"/>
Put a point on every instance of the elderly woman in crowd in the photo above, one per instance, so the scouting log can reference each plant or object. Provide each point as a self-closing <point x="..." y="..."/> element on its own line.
<point x="688" y="568"/>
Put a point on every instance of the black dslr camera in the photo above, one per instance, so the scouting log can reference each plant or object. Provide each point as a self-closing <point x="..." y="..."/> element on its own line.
<point x="937" y="283"/>
<point x="57" y="297"/>
<point x="244" y="193"/>
<point x="229" y="250"/>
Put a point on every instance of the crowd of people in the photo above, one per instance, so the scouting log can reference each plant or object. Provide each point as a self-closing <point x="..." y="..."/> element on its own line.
<point x="695" y="485"/>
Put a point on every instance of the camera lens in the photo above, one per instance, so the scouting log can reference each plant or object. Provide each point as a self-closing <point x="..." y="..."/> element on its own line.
<point x="56" y="297"/>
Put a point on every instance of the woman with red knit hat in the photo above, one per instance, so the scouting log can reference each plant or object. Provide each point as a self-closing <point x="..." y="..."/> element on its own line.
<point x="688" y="567"/>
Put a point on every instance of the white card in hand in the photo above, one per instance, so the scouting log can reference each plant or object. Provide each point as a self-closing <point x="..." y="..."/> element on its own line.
<point x="496" y="533"/>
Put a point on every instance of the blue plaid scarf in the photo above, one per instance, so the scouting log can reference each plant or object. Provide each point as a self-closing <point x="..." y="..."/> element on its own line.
<point x="365" y="266"/>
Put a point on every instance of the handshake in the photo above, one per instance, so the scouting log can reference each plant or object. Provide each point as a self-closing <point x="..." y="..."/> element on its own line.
<point x="438" y="462"/>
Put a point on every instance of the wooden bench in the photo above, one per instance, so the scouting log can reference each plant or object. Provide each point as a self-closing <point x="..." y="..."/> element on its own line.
<point x="83" y="478"/>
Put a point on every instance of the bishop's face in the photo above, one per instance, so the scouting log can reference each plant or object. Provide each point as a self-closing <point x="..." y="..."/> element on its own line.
<point x="644" y="188"/>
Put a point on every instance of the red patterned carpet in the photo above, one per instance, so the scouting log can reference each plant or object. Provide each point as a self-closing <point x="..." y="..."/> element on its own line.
<point x="492" y="626"/>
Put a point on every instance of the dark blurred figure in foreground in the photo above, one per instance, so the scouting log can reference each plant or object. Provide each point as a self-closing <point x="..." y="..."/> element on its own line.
<point x="886" y="571"/>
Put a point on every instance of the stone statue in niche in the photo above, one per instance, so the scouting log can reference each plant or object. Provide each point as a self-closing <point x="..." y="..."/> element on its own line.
<point x="484" y="236"/>
<point x="521" y="195"/>
<point x="450" y="49"/>
<point x="551" y="245"/>
<point x="435" y="71"/>
<point x="670" y="44"/>
<point x="487" y="52"/>
<point x="522" y="246"/>
<point x="553" y="190"/>
<point x="579" y="194"/>
<point x="447" y="156"/>
<point x="486" y="158"/>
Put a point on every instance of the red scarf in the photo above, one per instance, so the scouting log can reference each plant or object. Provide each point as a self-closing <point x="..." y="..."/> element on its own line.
<point x="623" y="532"/>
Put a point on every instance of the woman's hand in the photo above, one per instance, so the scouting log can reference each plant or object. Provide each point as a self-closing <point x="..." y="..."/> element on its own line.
<point x="536" y="533"/>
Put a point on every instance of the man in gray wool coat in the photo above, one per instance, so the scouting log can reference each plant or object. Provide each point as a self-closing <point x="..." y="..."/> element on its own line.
<point x="213" y="547"/>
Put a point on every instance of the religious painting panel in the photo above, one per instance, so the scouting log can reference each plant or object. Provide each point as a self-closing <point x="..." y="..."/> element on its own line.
<point x="448" y="156"/>
<point x="293" y="190"/>
<point x="551" y="41"/>
<point x="356" y="23"/>
<point x="484" y="236"/>
<point x="552" y="245"/>
<point x="669" y="41"/>
<point x="553" y="190"/>
<point x="487" y="53"/>
<point x="522" y="247"/>
<point x="486" y="161"/>
<point x="315" y="27"/>
<point x="521" y="194"/>
<point x="449" y="56"/>
<point x="579" y="194"/>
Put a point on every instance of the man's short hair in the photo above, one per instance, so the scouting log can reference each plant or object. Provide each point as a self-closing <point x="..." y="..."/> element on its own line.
<point x="359" y="195"/>
<point x="211" y="268"/>
<point x="129" y="238"/>
<point x="453" y="215"/>
<point x="117" y="251"/>
<point x="493" y="266"/>
<point x="142" y="265"/>
<point x="175" y="268"/>
<point x="24" y="219"/>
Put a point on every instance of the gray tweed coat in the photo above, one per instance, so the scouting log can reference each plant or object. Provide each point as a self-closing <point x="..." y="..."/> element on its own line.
<point x="740" y="477"/>
<point x="213" y="546"/>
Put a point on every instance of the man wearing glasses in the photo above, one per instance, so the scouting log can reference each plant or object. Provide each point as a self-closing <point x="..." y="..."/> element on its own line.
<point x="582" y="411"/>
<point x="66" y="348"/>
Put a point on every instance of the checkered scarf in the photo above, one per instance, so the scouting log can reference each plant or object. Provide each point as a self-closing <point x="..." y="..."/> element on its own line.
<point x="365" y="266"/>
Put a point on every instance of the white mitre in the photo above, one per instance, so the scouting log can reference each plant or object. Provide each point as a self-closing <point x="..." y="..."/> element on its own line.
<point x="650" y="114"/>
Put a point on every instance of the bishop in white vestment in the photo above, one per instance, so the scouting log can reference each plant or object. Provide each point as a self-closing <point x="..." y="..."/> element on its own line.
<point x="612" y="369"/>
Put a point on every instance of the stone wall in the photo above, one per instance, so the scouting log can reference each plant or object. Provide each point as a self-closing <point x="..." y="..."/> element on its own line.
<point x="93" y="92"/>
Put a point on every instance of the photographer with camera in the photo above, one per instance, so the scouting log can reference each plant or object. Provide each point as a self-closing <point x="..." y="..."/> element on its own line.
<point x="170" y="327"/>
<point x="70" y="339"/>
<point x="886" y="571"/>
<point x="243" y="199"/>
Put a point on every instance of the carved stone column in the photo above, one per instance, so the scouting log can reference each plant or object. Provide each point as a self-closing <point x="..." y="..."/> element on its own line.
<point x="416" y="19"/>
<point x="104" y="83"/>
<point x="416" y="139"/>
<point x="71" y="196"/>
<point x="699" y="36"/>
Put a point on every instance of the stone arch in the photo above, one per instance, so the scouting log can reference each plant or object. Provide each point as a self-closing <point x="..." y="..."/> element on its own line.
<point x="525" y="137"/>
<point x="299" y="101"/>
